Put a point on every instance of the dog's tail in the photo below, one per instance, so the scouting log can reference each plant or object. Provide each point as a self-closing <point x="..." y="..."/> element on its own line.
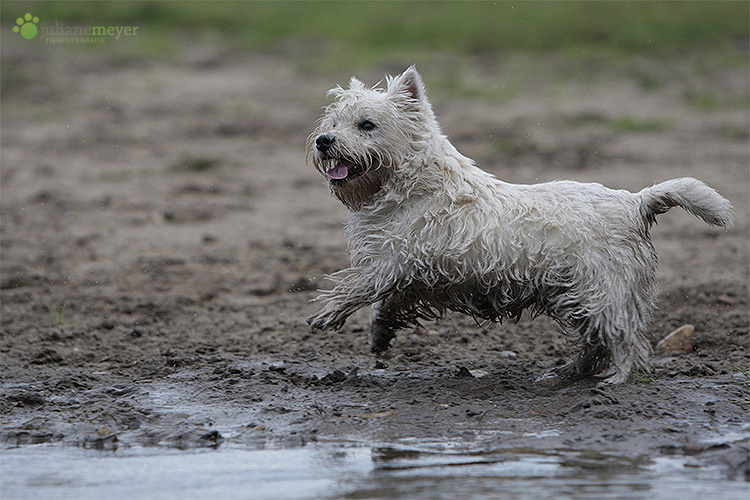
<point x="692" y="195"/>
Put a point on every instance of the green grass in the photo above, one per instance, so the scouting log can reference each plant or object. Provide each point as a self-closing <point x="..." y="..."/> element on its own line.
<point x="58" y="315"/>
<point x="711" y="100"/>
<point x="367" y="31"/>
<point x="645" y="376"/>
<point x="744" y="378"/>
<point x="706" y="101"/>
<point x="630" y="124"/>
<point x="195" y="164"/>
<point x="514" y="146"/>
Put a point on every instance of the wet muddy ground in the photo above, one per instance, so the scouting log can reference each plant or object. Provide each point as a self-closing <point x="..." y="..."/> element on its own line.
<point x="162" y="239"/>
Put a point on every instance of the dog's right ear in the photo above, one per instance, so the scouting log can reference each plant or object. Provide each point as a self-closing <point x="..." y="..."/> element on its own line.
<point x="338" y="91"/>
<point x="356" y="84"/>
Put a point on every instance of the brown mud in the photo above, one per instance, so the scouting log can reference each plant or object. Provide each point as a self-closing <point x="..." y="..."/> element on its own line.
<point x="162" y="240"/>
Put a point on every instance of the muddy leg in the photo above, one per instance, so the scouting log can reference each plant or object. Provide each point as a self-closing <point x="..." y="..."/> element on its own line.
<point x="381" y="330"/>
<point x="596" y="354"/>
<point x="612" y="348"/>
<point x="590" y="362"/>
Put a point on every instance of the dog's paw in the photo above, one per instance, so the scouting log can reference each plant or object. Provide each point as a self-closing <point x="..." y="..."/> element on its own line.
<point x="326" y="319"/>
<point x="316" y="323"/>
<point x="551" y="379"/>
<point x="380" y="338"/>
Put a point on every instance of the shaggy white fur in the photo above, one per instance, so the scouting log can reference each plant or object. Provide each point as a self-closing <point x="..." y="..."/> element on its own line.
<point x="429" y="231"/>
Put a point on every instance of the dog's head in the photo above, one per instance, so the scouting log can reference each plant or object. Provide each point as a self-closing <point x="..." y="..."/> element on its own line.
<point x="367" y="133"/>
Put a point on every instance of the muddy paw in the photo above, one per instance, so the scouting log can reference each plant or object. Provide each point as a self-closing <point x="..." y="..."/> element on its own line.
<point x="316" y="323"/>
<point x="550" y="378"/>
<point x="325" y="321"/>
<point x="380" y="338"/>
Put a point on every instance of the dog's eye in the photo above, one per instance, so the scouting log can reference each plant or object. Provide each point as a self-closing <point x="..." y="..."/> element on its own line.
<point x="366" y="125"/>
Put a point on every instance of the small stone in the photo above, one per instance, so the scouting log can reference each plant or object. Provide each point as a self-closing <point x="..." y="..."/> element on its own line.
<point x="507" y="354"/>
<point x="726" y="300"/>
<point x="137" y="331"/>
<point x="158" y="218"/>
<point x="334" y="377"/>
<point x="212" y="437"/>
<point x="45" y="356"/>
<point x="692" y="448"/>
<point x="679" y="340"/>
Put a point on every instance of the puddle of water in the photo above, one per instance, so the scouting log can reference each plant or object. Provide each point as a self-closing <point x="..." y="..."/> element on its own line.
<point x="46" y="472"/>
<point x="330" y="470"/>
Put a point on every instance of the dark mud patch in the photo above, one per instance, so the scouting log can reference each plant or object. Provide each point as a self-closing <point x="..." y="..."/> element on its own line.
<point x="281" y="403"/>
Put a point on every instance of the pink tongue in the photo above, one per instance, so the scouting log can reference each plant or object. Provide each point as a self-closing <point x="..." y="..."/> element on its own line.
<point x="340" y="171"/>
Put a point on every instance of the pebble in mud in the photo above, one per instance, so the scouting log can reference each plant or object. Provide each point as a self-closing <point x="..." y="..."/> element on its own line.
<point x="680" y="339"/>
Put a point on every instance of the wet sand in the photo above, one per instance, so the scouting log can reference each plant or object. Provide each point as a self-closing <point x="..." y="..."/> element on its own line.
<point x="162" y="239"/>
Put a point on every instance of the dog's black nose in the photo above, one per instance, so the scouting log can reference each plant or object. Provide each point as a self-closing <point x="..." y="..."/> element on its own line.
<point x="323" y="142"/>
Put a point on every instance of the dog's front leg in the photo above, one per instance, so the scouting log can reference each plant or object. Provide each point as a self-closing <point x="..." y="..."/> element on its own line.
<point x="381" y="330"/>
<point x="386" y="318"/>
<point x="355" y="289"/>
<point x="334" y="314"/>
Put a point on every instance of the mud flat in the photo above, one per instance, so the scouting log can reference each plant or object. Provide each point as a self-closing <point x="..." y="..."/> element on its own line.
<point x="162" y="240"/>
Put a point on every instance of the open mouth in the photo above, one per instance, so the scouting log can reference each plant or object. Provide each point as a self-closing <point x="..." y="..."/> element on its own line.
<point x="342" y="171"/>
<point x="354" y="183"/>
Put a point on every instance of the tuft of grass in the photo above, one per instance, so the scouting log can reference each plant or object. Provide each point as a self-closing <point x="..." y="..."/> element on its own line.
<point x="587" y="118"/>
<point x="705" y="101"/>
<point x="195" y="164"/>
<point x="647" y="81"/>
<point x="513" y="146"/>
<point x="744" y="378"/>
<point x="58" y="315"/>
<point x="631" y="124"/>
<point x="646" y="376"/>
<point x="731" y="131"/>
<point x="14" y="76"/>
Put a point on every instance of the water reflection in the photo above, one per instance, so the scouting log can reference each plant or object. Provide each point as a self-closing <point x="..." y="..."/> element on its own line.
<point x="530" y="473"/>
<point x="354" y="471"/>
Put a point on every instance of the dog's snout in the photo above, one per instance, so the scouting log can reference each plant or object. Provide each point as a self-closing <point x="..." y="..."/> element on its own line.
<point x="324" y="142"/>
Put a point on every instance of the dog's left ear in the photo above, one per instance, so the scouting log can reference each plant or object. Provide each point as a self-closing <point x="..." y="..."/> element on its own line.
<point x="410" y="83"/>
<point x="411" y="80"/>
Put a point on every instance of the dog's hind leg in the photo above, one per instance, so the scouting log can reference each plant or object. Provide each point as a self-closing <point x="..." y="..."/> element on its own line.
<point x="589" y="362"/>
<point x="594" y="357"/>
<point x="612" y="343"/>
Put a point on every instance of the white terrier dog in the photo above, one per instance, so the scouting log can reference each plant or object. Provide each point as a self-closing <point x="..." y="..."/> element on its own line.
<point x="429" y="231"/>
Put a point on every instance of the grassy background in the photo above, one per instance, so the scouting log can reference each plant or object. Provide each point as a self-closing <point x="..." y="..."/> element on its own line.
<point x="368" y="31"/>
